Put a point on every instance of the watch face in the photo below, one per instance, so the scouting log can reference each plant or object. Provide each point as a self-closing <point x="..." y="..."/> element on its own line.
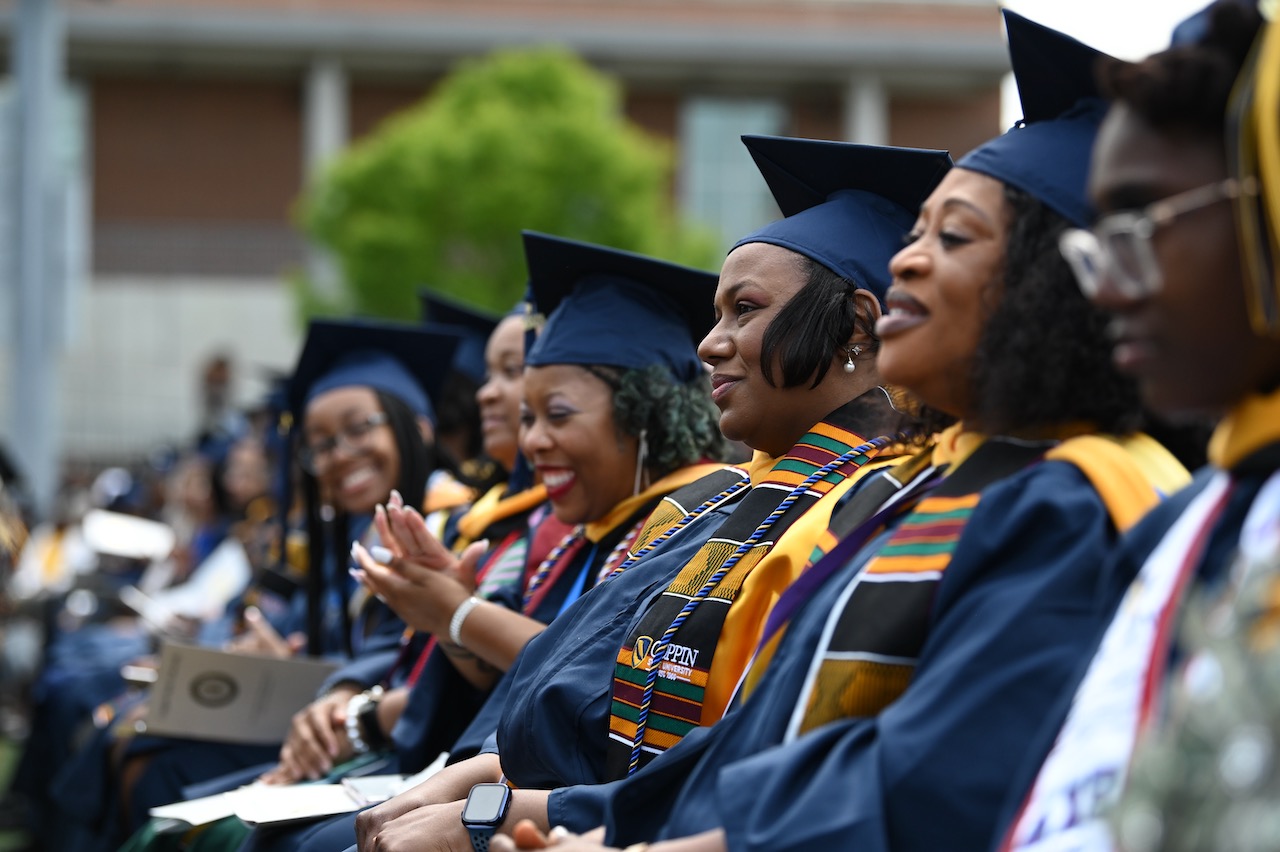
<point x="486" y="804"/>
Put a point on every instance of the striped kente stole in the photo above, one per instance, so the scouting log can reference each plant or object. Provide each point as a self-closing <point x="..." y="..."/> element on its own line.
<point x="879" y="623"/>
<point x="697" y="601"/>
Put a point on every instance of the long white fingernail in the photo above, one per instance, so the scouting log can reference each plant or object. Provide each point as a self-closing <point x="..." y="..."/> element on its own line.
<point x="381" y="555"/>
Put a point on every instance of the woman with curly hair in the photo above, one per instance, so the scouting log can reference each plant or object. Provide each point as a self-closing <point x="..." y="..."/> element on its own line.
<point x="897" y="680"/>
<point x="657" y="652"/>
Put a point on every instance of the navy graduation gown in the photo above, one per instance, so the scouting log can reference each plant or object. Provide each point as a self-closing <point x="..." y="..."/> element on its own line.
<point x="1128" y="560"/>
<point x="555" y="722"/>
<point x="1013" y="614"/>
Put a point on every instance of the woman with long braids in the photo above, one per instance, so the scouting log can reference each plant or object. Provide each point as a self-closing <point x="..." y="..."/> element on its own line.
<point x="794" y="375"/>
<point x="360" y="398"/>
<point x="897" y="681"/>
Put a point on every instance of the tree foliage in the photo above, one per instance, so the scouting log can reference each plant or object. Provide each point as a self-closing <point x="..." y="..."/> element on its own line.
<point x="438" y="195"/>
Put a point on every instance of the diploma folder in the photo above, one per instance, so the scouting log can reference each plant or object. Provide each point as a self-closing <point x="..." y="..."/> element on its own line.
<point x="206" y="694"/>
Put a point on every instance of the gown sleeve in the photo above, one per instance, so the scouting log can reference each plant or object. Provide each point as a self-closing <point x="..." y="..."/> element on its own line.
<point x="1014" y="613"/>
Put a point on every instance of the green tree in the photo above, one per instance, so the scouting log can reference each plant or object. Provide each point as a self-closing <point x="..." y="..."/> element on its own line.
<point x="438" y="195"/>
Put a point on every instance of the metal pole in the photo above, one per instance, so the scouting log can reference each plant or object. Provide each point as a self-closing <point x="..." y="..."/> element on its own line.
<point x="38" y="68"/>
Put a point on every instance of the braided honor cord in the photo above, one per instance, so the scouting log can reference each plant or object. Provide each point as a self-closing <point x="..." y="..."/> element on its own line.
<point x="540" y="576"/>
<point x="689" y="518"/>
<point x="660" y="647"/>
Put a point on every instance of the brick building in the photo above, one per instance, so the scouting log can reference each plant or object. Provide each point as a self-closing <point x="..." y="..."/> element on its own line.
<point x="197" y="122"/>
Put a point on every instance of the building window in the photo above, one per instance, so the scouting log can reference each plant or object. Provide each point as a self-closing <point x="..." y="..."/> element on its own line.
<point x="720" y="185"/>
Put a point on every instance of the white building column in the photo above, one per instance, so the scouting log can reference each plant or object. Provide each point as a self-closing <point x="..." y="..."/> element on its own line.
<point x="38" y="62"/>
<point x="866" y="110"/>
<point x="326" y="129"/>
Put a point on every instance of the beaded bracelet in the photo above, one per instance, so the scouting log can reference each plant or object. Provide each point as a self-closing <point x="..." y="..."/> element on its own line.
<point x="358" y="705"/>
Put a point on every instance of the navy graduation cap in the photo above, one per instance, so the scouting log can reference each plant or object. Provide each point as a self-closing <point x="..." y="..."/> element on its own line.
<point x="612" y="307"/>
<point x="409" y="362"/>
<point x="473" y="325"/>
<point x="1195" y="28"/>
<point x="847" y="206"/>
<point x="1047" y="154"/>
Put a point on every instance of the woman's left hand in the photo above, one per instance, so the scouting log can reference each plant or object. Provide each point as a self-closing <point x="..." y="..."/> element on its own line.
<point x="404" y="534"/>
<point x="425" y="598"/>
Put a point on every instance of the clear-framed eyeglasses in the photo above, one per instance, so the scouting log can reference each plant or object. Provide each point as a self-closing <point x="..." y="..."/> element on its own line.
<point x="315" y="457"/>
<point x="1118" y="248"/>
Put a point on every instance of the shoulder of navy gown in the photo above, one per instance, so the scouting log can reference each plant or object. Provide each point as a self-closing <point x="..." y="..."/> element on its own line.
<point x="1121" y="569"/>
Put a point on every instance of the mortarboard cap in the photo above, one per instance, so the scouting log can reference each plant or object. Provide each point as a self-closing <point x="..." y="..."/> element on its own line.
<point x="611" y="307"/>
<point x="1047" y="153"/>
<point x="847" y="206"/>
<point x="409" y="362"/>
<point x="1194" y="29"/>
<point x="473" y="324"/>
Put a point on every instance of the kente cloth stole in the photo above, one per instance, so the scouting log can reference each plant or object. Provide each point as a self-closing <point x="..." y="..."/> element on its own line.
<point x="880" y="621"/>
<point x="675" y="705"/>
<point x="855" y="522"/>
<point x="678" y="509"/>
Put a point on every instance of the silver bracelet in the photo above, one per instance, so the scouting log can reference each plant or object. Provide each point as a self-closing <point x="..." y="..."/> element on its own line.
<point x="460" y="615"/>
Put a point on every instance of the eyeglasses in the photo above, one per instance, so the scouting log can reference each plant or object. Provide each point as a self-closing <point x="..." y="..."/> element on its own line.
<point x="314" y="458"/>
<point x="1118" y="248"/>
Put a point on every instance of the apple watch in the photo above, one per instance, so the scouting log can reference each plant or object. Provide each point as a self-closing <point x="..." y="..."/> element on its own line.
<point x="485" y="810"/>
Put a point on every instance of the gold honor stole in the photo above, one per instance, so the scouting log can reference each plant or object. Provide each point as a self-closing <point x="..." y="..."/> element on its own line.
<point x="882" y="628"/>
<point x="677" y="699"/>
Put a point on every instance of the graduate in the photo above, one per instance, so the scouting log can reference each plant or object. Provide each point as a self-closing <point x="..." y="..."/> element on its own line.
<point x="793" y="370"/>
<point x="438" y="699"/>
<point x="897" y="680"/>
<point x="362" y="428"/>
<point x="1182" y="256"/>
<point x="506" y="514"/>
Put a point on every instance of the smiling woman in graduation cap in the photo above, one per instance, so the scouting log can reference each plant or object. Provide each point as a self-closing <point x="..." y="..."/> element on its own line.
<point x="792" y="354"/>
<point x="360" y="398"/>
<point x="897" y="679"/>
<point x="610" y="422"/>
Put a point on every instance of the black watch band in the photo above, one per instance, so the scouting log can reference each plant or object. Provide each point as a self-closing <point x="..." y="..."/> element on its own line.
<point x="370" y="728"/>
<point x="480" y="837"/>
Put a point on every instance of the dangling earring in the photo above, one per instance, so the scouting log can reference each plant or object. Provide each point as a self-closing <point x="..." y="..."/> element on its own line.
<point x="642" y="455"/>
<point x="849" y="366"/>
